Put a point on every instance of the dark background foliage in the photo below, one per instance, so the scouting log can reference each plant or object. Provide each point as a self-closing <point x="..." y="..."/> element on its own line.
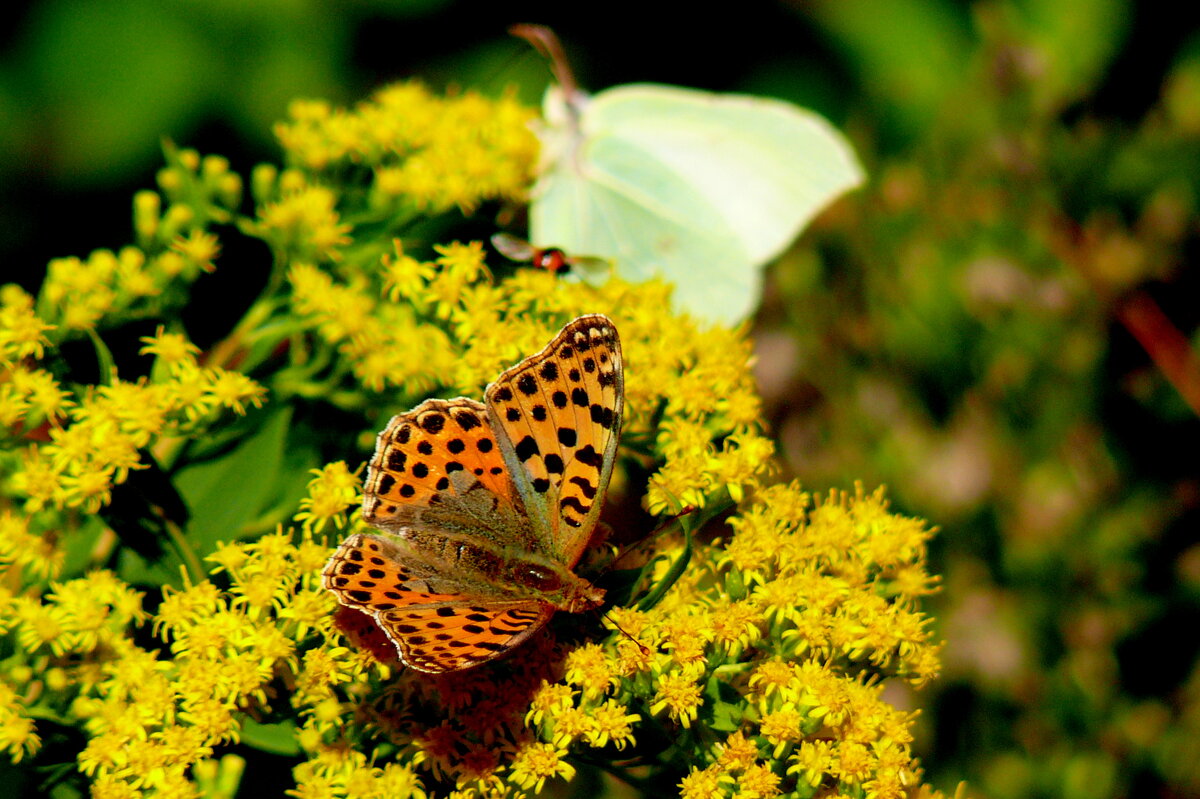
<point x="989" y="326"/>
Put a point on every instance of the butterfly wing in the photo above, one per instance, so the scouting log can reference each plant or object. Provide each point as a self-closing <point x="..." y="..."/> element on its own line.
<point x="454" y="636"/>
<point x="437" y="621"/>
<point x="438" y="486"/>
<point x="439" y="466"/>
<point x="557" y="418"/>
<point x="700" y="188"/>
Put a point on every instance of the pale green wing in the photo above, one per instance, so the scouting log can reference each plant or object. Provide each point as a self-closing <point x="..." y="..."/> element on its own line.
<point x="700" y="188"/>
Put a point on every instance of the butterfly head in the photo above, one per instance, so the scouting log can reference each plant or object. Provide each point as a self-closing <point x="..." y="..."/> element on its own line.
<point x="561" y="587"/>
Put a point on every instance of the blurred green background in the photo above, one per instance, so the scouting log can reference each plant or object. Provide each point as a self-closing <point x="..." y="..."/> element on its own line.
<point x="1000" y="326"/>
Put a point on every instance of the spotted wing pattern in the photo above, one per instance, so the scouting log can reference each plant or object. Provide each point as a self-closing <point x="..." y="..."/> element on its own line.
<point x="439" y="466"/>
<point x="558" y="416"/>
<point x="420" y="452"/>
<point x="455" y="636"/>
<point x="468" y="495"/>
<point x="435" y="624"/>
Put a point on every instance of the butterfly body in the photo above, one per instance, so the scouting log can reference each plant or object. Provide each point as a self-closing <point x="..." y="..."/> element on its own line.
<point x="484" y="508"/>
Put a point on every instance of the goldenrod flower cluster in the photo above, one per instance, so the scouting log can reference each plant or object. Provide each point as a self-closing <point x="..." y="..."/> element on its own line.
<point x="751" y="654"/>
<point x="424" y="152"/>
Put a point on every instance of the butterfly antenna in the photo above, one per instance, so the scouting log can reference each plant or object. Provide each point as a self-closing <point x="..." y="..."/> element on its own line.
<point x="645" y="649"/>
<point x="657" y="531"/>
<point x="546" y="42"/>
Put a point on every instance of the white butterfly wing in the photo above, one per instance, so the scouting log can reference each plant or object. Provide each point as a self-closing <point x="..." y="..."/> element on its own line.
<point x="700" y="188"/>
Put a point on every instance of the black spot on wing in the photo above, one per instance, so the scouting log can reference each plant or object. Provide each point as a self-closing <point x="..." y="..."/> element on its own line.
<point x="589" y="456"/>
<point x="527" y="384"/>
<point x="585" y="486"/>
<point x="602" y="416"/>
<point x="526" y="448"/>
<point x="467" y="421"/>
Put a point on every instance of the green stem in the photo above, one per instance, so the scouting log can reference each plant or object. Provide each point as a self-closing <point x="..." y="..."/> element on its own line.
<point x="190" y="559"/>
<point x="633" y="782"/>
<point x="659" y="591"/>
<point x="104" y="358"/>
<point x="689" y="524"/>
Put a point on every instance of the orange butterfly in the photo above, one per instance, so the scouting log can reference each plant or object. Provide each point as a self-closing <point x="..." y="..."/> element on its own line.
<point x="483" y="509"/>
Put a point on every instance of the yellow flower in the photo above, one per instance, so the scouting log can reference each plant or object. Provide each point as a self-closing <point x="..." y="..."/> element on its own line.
<point x="306" y="224"/>
<point x="18" y="733"/>
<point x="321" y="670"/>
<point x="19" y="545"/>
<point x="589" y="668"/>
<point x="612" y="723"/>
<point x="569" y="724"/>
<point x="534" y="763"/>
<point x="687" y="635"/>
<point x="853" y="763"/>
<point x="758" y="782"/>
<point x="404" y="277"/>
<point x="702" y="784"/>
<point x="40" y="392"/>
<point x="330" y="493"/>
<point x="22" y="332"/>
<point x="736" y="753"/>
<point x="234" y="390"/>
<point x="36" y="479"/>
<point x="434" y="152"/>
<point x="549" y="699"/>
<point x="771" y="679"/>
<point x="170" y="348"/>
<point x="678" y="694"/>
<point x="736" y="626"/>
<point x="812" y="760"/>
<point x="783" y="727"/>
<point x="463" y="262"/>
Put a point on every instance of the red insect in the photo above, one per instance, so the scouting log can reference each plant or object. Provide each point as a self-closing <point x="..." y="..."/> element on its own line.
<point x="552" y="259"/>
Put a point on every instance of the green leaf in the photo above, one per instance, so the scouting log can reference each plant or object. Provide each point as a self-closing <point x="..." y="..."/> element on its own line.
<point x="725" y="706"/>
<point x="226" y="493"/>
<point x="278" y="738"/>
